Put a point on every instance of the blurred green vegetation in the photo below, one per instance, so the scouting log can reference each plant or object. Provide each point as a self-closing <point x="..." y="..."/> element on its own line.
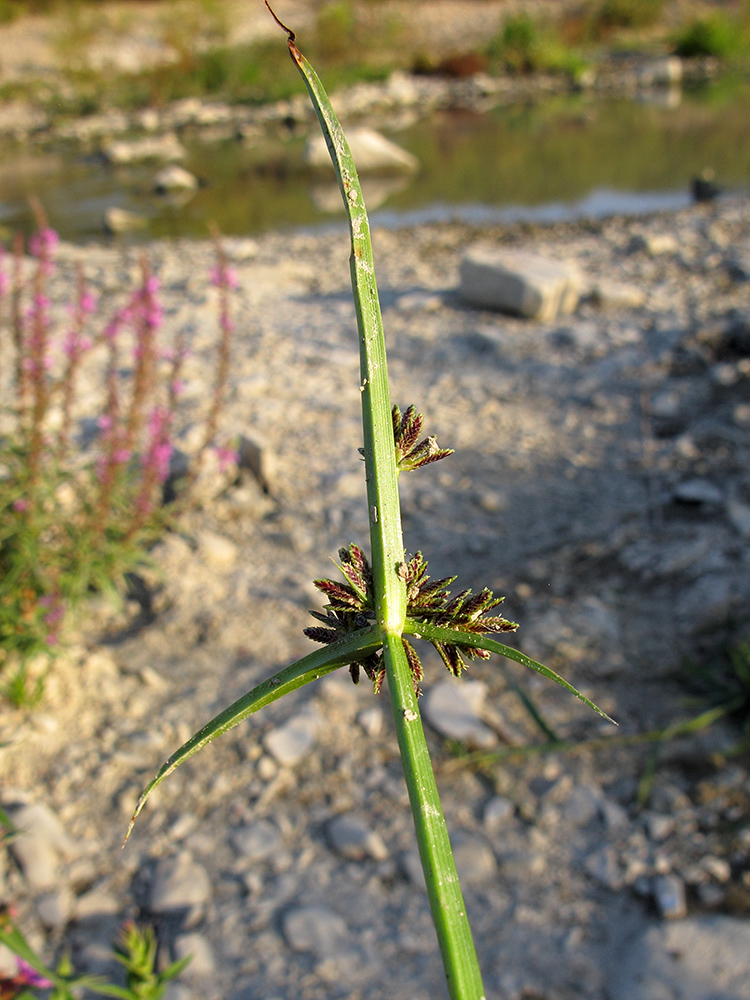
<point x="719" y="36"/>
<point x="524" y="45"/>
<point x="350" y="40"/>
<point x="610" y="14"/>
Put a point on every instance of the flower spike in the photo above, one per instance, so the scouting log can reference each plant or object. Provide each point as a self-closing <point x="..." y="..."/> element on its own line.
<point x="406" y="430"/>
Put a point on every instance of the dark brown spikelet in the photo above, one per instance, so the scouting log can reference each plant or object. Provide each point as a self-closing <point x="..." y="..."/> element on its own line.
<point x="350" y="608"/>
<point x="317" y="634"/>
<point x="430" y="601"/>
<point x="415" y="665"/>
<point x="406" y="431"/>
<point x="340" y="595"/>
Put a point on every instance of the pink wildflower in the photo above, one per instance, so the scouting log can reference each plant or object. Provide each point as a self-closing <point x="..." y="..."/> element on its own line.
<point x="43" y="242"/>
<point x="160" y="448"/>
<point x="54" y="615"/>
<point x="224" y="277"/>
<point x="20" y="505"/>
<point x="227" y="457"/>
<point x="31" y="977"/>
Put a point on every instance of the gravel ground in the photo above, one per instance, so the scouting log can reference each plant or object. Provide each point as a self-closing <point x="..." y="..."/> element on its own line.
<point x="600" y="482"/>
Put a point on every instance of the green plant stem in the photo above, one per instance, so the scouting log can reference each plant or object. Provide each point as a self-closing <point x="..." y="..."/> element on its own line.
<point x="443" y="888"/>
<point x="387" y="551"/>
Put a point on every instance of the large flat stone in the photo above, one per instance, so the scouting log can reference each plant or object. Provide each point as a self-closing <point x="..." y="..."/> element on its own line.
<point x="520" y="283"/>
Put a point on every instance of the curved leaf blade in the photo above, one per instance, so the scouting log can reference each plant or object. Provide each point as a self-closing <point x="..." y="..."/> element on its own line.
<point x="422" y="630"/>
<point x="296" y="675"/>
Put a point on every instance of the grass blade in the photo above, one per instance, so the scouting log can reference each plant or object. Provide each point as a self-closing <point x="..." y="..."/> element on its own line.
<point x="386" y="541"/>
<point x="296" y="675"/>
<point x="422" y="630"/>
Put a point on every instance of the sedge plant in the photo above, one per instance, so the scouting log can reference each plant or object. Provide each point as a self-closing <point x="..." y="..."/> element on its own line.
<point x="387" y="602"/>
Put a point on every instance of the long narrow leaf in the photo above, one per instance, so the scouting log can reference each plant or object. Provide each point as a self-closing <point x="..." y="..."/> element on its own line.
<point x="422" y="630"/>
<point x="387" y="549"/>
<point x="296" y="675"/>
<point x="381" y="473"/>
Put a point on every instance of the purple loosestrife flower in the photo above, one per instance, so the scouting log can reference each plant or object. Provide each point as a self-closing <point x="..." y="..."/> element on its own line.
<point x="227" y="457"/>
<point x="42" y="245"/>
<point x="224" y="277"/>
<point x="28" y="975"/>
<point x="43" y="242"/>
<point x="4" y="277"/>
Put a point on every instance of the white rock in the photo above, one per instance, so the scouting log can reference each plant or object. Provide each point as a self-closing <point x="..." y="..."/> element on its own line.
<point x="174" y="178"/>
<point x="291" y="743"/>
<point x="451" y="707"/>
<point x="669" y="895"/>
<point x="119" y="220"/>
<point x="179" y="884"/>
<point x="240" y="248"/>
<point x="694" y="959"/>
<point x="518" y="282"/>
<point x="655" y="244"/>
<point x="55" y="908"/>
<point x="411" y="866"/>
<point x="352" y="838"/>
<point x="165" y="147"/>
<point x="217" y="550"/>
<point x="257" y="840"/>
<point x="497" y="813"/>
<point x="614" y="816"/>
<point x="659" y="826"/>
<point x="698" y="491"/>
<point x="582" y="805"/>
<point x="371" y="152"/>
<point x="40" y="845"/>
<point x="96" y="903"/>
<point x="8" y="964"/>
<point x="603" y="867"/>
<point x="257" y="457"/>
<point x="707" y="604"/>
<point x="474" y="859"/>
<point x="316" y="929"/>
<point x="371" y="720"/>
<point x="177" y="991"/>
<point x="661" y="72"/>
<point x="202" y="962"/>
<point x="718" y="868"/>
<point x="615" y="295"/>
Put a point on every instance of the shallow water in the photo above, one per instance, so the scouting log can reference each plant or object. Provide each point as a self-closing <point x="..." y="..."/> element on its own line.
<point x="563" y="158"/>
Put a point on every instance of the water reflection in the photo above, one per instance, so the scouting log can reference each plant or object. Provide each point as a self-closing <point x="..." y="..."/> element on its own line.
<point x="553" y="160"/>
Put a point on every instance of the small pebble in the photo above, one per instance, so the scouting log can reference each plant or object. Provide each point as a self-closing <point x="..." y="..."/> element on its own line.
<point x="497" y="813"/>
<point x="293" y="741"/>
<point x="351" y="837"/>
<point x="669" y="895"/>
<point x="179" y="883"/>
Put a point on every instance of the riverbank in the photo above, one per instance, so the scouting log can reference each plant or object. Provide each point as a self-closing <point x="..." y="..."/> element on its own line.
<point x="600" y="482"/>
